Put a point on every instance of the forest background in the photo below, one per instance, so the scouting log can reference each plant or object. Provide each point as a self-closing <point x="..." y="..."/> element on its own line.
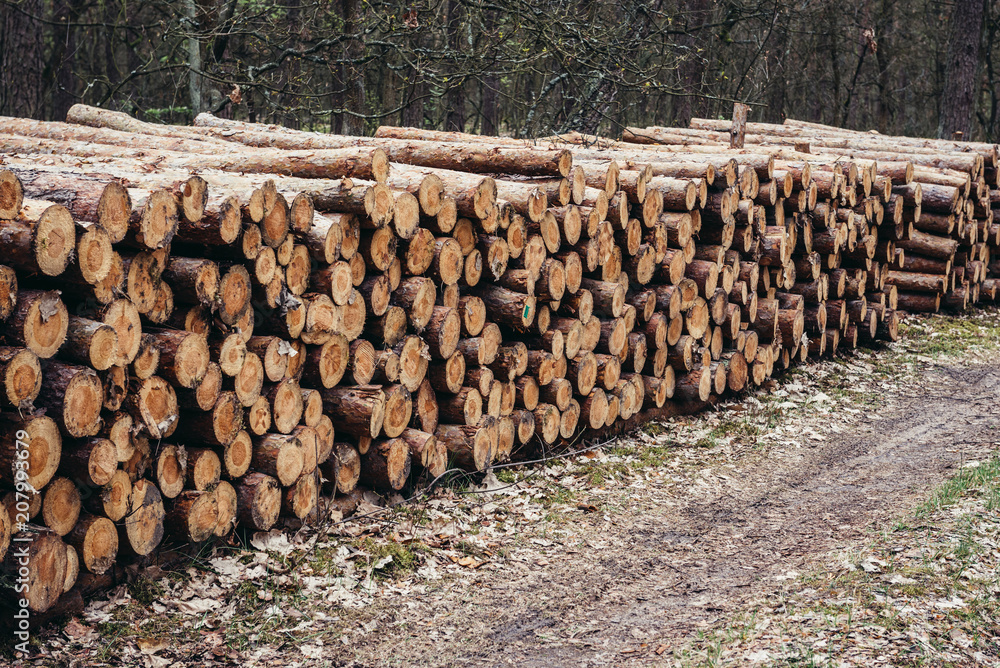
<point x="520" y="67"/>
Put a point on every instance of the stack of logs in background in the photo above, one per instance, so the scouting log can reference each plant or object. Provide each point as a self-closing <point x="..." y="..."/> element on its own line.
<point x="243" y="325"/>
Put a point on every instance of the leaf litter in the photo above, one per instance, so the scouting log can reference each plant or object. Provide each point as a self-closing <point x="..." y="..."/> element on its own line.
<point x="654" y="549"/>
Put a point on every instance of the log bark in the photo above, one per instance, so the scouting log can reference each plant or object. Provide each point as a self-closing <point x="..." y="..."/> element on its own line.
<point x="46" y="566"/>
<point x="143" y="528"/>
<point x="470" y="447"/>
<point x="73" y="396"/>
<point x="259" y="501"/>
<point x="359" y="410"/>
<point x="386" y="465"/>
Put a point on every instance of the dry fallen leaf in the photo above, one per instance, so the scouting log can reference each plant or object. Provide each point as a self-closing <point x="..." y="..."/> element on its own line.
<point x="151" y="645"/>
<point x="74" y="629"/>
<point x="468" y="562"/>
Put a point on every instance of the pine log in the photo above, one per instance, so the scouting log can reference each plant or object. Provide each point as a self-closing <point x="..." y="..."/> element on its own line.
<point x="192" y="516"/>
<point x="347" y="463"/>
<point x="470" y="447"/>
<point x="73" y="396"/>
<point x="259" y="500"/>
<point x="358" y="410"/>
<point x="39" y="322"/>
<point x="413" y="361"/>
<point x="171" y="470"/>
<point x="220" y="426"/>
<point x="204" y="468"/>
<point x="184" y="356"/>
<point x="45" y="564"/>
<point x="278" y="455"/>
<point x="386" y="465"/>
<point x="143" y="528"/>
<point x="301" y="499"/>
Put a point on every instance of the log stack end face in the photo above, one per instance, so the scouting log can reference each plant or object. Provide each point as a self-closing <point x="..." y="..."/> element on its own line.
<point x="301" y="319"/>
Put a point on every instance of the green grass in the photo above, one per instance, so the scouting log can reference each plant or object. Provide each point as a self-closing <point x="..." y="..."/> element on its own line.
<point x="404" y="557"/>
<point x="507" y="476"/>
<point x="982" y="479"/>
<point x="942" y="336"/>
<point x="144" y="590"/>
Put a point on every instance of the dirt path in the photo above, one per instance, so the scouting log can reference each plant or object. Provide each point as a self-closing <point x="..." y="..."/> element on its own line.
<point x="681" y="563"/>
<point x="711" y="554"/>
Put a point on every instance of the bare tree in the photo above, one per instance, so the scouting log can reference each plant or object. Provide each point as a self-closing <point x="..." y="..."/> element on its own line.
<point x="21" y="59"/>
<point x="962" y="68"/>
<point x="521" y="67"/>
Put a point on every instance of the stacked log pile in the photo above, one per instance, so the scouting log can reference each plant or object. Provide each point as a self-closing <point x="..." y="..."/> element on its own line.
<point x="232" y="324"/>
<point x="939" y="246"/>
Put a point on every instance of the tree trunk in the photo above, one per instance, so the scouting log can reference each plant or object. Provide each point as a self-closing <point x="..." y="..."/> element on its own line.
<point x="962" y="71"/>
<point x="21" y="60"/>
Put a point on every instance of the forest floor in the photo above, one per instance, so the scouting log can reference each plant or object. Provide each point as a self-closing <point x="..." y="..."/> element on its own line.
<point x="848" y="516"/>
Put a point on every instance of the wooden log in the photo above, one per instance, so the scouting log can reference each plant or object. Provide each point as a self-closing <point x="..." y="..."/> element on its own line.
<point x="220" y="426"/>
<point x="343" y="468"/>
<point x="184" y="356"/>
<point x="273" y="352"/>
<point x="386" y="465"/>
<point x="506" y="307"/>
<point x="915" y="282"/>
<point x="45" y="564"/>
<point x="21" y="373"/>
<point x="73" y="396"/>
<point x="301" y="499"/>
<point x="171" y="470"/>
<point x="278" y="455"/>
<point x="470" y="447"/>
<point x="359" y="410"/>
<point x="193" y="280"/>
<point x="226" y="503"/>
<point x="259" y="501"/>
<point x="443" y="331"/>
<point x="233" y="295"/>
<point x="285" y="399"/>
<point x="608" y="298"/>
<point x="416" y="295"/>
<point x="92" y="343"/>
<point x="694" y="385"/>
<point x="547" y="422"/>
<point x="481" y="350"/>
<point x="929" y="245"/>
<point x="192" y="516"/>
<point x="236" y="457"/>
<point x="39" y="322"/>
<point x="95" y="541"/>
<point x="464" y="407"/>
<point x="60" y="505"/>
<point x="111" y="500"/>
<point x="41" y="240"/>
<point x="413" y="361"/>
<point x="143" y="528"/>
<point x="90" y="463"/>
<point x="449" y="376"/>
<point x="204" y="468"/>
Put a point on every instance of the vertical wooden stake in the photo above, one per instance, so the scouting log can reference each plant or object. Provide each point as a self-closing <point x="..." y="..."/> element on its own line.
<point x="738" y="130"/>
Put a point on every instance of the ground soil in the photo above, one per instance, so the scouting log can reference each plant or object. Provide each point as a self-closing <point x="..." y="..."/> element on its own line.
<point x="682" y="562"/>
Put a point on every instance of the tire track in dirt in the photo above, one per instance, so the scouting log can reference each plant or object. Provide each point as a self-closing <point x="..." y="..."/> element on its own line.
<point x="703" y="559"/>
